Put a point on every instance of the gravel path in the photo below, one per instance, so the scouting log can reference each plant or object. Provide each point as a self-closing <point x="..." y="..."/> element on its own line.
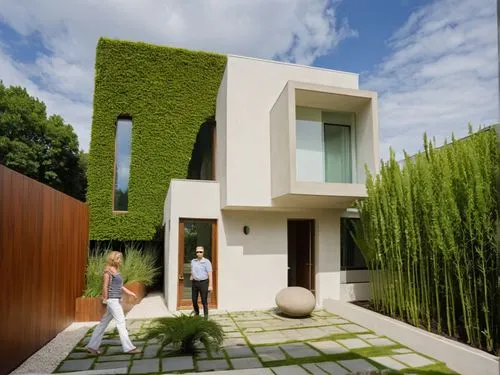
<point x="46" y="359"/>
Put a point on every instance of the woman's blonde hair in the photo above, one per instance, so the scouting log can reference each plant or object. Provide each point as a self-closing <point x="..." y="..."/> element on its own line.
<point x="114" y="259"/>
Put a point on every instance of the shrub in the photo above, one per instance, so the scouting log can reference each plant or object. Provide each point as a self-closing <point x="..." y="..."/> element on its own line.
<point x="185" y="330"/>
<point x="139" y="265"/>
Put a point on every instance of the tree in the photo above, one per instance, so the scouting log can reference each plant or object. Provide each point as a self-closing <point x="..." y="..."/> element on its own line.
<point x="43" y="148"/>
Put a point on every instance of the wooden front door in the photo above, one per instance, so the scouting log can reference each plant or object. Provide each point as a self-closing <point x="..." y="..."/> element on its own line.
<point x="192" y="233"/>
<point x="301" y="254"/>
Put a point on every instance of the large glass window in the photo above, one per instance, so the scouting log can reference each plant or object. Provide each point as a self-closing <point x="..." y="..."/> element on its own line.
<point x="122" y="163"/>
<point x="351" y="256"/>
<point x="323" y="146"/>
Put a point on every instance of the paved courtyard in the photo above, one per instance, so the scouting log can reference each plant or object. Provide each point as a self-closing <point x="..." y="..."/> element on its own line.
<point x="321" y="344"/>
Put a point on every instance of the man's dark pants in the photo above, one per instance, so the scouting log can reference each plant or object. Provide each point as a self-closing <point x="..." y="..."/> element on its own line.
<point x="202" y="288"/>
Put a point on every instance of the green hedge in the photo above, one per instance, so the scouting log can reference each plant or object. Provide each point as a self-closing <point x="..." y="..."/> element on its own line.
<point x="169" y="93"/>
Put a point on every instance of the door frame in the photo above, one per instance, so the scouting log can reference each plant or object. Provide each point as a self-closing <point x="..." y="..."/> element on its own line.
<point x="312" y="250"/>
<point x="180" y="264"/>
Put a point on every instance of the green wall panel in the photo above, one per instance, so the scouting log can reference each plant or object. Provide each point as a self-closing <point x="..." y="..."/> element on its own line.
<point x="169" y="93"/>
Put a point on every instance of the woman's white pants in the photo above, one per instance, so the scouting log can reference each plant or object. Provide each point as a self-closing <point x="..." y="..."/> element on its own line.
<point x="114" y="311"/>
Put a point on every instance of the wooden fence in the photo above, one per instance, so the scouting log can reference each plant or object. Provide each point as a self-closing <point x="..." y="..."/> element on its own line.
<point x="43" y="253"/>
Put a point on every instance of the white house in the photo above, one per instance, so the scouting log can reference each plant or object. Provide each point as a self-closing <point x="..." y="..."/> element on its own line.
<point x="291" y="145"/>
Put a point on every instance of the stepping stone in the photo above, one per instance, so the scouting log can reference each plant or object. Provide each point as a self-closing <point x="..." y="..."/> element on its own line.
<point x="234" y="334"/>
<point x="332" y="368"/>
<point x="218" y="354"/>
<point x="389" y="363"/>
<point x="239" y="351"/>
<point x="299" y="350"/>
<point x="252" y="330"/>
<point x="250" y="324"/>
<point x="320" y="313"/>
<point x="234" y="342"/>
<point x="313" y="369"/>
<point x="111" y="365"/>
<point x="112" y="358"/>
<point x="289" y="370"/>
<point x="177" y="363"/>
<point x="243" y="363"/>
<point x="305" y="333"/>
<point x="332" y="330"/>
<point x="328" y="347"/>
<point x="76" y="365"/>
<point x="381" y="342"/>
<point x="267" y="338"/>
<point x="78" y="355"/>
<point x="270" y="353"/>
<point x="413" y="360"/>
<point x="213" y="364"/>
<point x="337" y="321"/>
<point x="352" y="328"/>
<point x="357" y="365"/>
<point x="140" y="366"/>
<point x="151" y="351"/>
<point x="402" y="350"/>
<point x="368" y="336"/>
<point x="114" y="350"/>
<point x="111" y="342"/>
<point x="353" y="343"/>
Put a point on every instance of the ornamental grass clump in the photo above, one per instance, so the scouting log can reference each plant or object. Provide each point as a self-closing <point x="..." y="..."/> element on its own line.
<point x="93" y="273"/>
<point x="139" y="265"/>
<point x="428" y="234"/>
<point x="184" y="331"/>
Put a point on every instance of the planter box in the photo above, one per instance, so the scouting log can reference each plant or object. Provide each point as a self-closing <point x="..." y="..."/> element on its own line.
<point x="138" y="288"/>
<point x="89" y="309"/>
<point x="127" y="301"/>
<point x="457" y="356"/>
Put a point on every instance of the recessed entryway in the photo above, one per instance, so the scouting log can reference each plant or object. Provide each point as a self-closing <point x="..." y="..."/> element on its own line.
<point x="301" y="253"/>
<point x="192" y="233"/>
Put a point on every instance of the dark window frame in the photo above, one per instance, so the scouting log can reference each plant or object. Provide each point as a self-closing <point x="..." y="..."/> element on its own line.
<point x="350" y="254"/>
<point x="116" y="208"/>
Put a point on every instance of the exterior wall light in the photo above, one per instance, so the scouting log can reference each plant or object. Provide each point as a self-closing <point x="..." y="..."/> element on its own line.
<point x="246" y="229"/>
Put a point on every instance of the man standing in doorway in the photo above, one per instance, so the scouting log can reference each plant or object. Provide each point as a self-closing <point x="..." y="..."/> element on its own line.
<point x="201" y="277"/>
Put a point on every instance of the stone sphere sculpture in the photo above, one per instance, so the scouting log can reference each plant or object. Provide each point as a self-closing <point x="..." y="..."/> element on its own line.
<point x="295" y="301"/>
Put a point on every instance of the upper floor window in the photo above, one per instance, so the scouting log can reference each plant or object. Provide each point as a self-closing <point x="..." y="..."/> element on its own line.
<point x="122" y="163"/>
<point x="324" y="148"/>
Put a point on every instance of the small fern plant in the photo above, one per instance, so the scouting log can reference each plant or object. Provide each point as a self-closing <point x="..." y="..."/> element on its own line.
<point x="184" y="331"/>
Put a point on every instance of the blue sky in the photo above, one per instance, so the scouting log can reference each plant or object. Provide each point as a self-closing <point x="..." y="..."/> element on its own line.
<point x="434" y="63"/>
<point x="375" y="25"/>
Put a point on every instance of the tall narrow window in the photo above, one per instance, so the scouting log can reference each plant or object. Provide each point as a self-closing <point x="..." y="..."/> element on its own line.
<point x="337" y="153"/>
<point x="122" y="163"/>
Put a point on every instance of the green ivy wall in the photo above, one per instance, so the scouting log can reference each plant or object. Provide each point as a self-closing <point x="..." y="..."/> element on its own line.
<point x="169" y="93"/>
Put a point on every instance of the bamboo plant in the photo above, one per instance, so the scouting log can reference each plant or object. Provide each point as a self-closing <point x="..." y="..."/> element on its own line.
<point x="428" y="235"/>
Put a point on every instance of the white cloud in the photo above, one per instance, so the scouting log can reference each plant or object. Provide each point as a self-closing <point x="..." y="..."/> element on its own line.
<point x="441" y="75"/>
<point x="295" y="30"/>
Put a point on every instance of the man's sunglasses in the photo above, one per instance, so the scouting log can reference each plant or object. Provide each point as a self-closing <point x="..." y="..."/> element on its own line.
<point x="201" y="252"/>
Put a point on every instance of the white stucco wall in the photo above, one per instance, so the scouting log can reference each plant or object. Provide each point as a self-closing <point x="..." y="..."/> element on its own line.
<point x="253" y="86"/>
<point x="221" y="118"/>
<point x="251" y="268"/>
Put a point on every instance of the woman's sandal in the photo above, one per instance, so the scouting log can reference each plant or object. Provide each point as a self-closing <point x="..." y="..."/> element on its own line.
<point x="93" y="351"/>
<point x="134" y="351"/>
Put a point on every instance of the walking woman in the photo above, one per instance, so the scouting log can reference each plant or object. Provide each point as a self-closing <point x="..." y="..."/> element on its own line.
<point x="201" y="277"/>
<point x="112" y="287"/>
